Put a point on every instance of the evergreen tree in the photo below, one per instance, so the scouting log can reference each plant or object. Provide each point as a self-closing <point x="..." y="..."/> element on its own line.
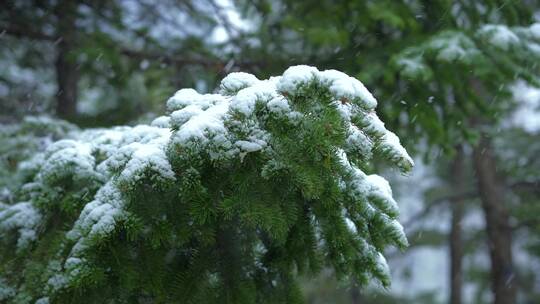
<point x="227" y="198"/>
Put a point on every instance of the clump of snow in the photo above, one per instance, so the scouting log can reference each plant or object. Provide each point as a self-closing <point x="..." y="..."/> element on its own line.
<point x="142" y="152"/>
<point x="249" y="146"/>
<point x="180" y="117"/>
<point x="391" y="146"/>
<point x="527" y="113"/>
<point x="31" y="165"/>
<point x="161" y="122"/>
<point x="44" y="300"/>
<point x="535" y="30"/>
<point x="57" y="281"/>
<point x="296" y="76"/>
<point x="381" y="267"/>
<point x="398" y="233"/>
<point x="347" y="88"/>
<point x="358" y="142"/>
<point x="147" y="156"/>
<point x="342" y="86"/>
<point x="245" y="100"/>
<point x="122" y="145"/>
<point x="413" y="66"/>
<point x="186" y="97"/>
<point x="67" y="157"/>
<point x="453" y="46"/>
<point x="6" y="291"/>
<point x="373" y="193"/>
<point x="203" y="124"/>
<point x="100" y="215"/>
<point x="499" y="35"/>
<point x="371" y="124"/>
<point x="24" y="218"/>
<point x="381" y="194"/>
<point x="445" y="47"/>
<point x="278" y="105"/>
<point x="235" y="82"/>
<point x="97" y="219"/>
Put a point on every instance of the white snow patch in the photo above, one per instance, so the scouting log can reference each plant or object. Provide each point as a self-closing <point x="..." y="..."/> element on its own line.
<point x="6" y="291"/>
<point x="24" y="218"/>
<point x="345" y="87"/>
<point x="161" y="122"/>
<point x="186" y="97"/>
<point x="527" y="113"/>
<point x="296" y="76"/>
<point x="235" y="82"/>
<point x="499" y="35"/>
<point x="203" y="124"/>
<point x="245" y="100"/>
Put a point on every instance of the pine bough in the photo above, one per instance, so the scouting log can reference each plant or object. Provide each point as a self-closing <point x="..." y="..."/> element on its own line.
<point x="228" y="198"/>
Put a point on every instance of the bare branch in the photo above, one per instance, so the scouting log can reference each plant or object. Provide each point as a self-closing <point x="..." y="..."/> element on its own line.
<point x="436" y="202"/>
<point x="15" y="31"/>
<point x="531" y="186"/>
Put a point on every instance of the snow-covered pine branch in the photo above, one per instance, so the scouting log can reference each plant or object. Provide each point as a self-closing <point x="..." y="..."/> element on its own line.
<point x="228" y="197"/>
<point x="491" y="44"/>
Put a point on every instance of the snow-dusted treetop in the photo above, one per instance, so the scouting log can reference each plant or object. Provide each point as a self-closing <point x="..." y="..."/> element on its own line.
<point x="263" y="164"/>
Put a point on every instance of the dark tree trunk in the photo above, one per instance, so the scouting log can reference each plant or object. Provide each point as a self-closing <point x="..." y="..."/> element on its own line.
<point x="356" y="295"/>
<point x="459" y="185"/>
<point x="67" y="74"/>
<point x="499" y="233"/>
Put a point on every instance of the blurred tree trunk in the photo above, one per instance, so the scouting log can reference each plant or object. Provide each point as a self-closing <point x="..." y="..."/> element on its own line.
<point x="499" y="233"/>
<point x="459" y="185"/>
<point x="356" y="296"/>
<point x="67" y="74"/>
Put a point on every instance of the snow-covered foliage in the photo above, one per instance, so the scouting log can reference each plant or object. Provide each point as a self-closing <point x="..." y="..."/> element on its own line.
<point x="20" y="143"/>
<point x="527" y="112"/>
<point x="457" y="47"/>
<point x="22" y="217"/>
<point x="6" y="291"/>
<point x="277" y="167"/>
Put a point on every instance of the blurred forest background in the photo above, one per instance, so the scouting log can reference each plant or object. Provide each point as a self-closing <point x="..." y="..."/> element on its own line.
<point x="458" y="81"/>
